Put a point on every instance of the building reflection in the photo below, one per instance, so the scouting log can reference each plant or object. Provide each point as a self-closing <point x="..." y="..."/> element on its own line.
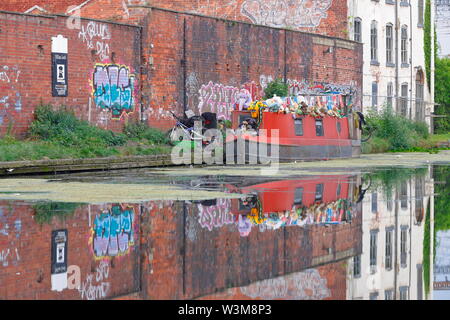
<point x="317" y="237"/>
<point x="391" y="266"/>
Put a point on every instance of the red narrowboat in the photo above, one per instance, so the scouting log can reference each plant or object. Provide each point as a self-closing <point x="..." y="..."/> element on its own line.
<point x="300" y="137"/>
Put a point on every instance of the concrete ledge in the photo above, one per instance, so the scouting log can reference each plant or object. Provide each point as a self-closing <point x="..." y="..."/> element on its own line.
<point x="76" y="165"/>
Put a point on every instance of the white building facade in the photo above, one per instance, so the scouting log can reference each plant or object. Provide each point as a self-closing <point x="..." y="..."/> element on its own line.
<point x="391" y="266"/>
<point x="392" y="32"/>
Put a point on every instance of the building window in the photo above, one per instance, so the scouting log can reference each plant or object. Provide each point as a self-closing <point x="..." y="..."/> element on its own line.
<point x="374" y="42"/>
<point x="419" y="194"/>
<point x="357" y="266"/>
<point x="374" y="202"/>
<point x="404" y="293"/>
<point x="357" y="30"/>
<point x="390" y="95"/>
<point x="389" y="244"/>
<point x="404" y="46"/>
<point x="420" y="105"/>
<point x="319" y="128"/>
<point x="404" y="195"/>
<point x="421" y="10"/>
<point x="389" y="45"/>
<point x="389" y="295"/>
<point x="298" y="127"/>
<point x="373" y="251"/>
<point x="374" y="96"/>
<point x="404" y="100"/>
<point x="373" y="296"/>
<point x="403" y="246"/>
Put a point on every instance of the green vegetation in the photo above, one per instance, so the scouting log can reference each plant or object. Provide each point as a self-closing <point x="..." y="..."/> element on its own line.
<point x="58" y="134"/>
<point x="426" y="251"/>
<point x="394" y="133"/>
<point x="442" y="87"/>
<point x="387" y="180"/>
<point x="276" y="88"/>
<point x="45" y="211"/>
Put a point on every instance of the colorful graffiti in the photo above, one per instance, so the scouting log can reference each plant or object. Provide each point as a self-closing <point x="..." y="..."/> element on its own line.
<point x="307" y="285"/>
<point x="9" y="93"/>
<point x="95" y="286"/>
<point x="286" y="13"/>
<point x="113" y="89"/>
<point x="95" y="36"/>
<point x="220" y="99"/>
<point x="215" y="216"/>
<point x="113" y="232"/>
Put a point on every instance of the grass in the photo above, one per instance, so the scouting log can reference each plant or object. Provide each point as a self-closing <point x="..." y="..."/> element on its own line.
<point x="58" y="134"/>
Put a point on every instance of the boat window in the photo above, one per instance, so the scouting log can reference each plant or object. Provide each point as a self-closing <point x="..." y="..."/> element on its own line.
<point x="298" y="200"/>
<point x="319" y="192"/>
<point x="338" y="127"/>
<point x="298" y="127"/>
<point x="319" y="128"/>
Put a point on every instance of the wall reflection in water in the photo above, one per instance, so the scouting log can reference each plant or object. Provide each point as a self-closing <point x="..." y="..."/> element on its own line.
<point x="318" y="237"/>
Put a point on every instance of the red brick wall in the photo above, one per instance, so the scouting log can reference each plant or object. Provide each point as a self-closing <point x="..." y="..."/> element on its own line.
<point x="219" y="58"/>
<point x="327" y="17"/>
<point x="55" y="6"/>
<point x="26" y="65"/>
<point x="26" y="272"/>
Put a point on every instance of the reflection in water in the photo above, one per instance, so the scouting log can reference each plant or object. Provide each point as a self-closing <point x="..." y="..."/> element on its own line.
<point x="344" y="236"/>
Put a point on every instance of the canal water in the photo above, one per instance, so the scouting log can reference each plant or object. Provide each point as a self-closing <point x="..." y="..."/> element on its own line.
<point x="381" y="233"/>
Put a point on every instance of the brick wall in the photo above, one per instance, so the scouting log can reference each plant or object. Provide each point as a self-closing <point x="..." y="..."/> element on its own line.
<point x="204" y="63"/>
<point x="327" y="17"/>
<point x="25" y="68"/>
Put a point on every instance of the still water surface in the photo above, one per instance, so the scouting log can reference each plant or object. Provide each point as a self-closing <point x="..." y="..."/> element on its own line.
<point x="373" y="234"/>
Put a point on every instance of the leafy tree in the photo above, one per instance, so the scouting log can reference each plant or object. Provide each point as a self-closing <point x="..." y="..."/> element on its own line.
<point x="278" y="88"/>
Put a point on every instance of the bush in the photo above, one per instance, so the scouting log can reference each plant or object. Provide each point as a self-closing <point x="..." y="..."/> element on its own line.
<point x="140" y="131"/>
<point x="278" y="88"/>
<point x="63" y="127"/>
<point x="400" y="132"/>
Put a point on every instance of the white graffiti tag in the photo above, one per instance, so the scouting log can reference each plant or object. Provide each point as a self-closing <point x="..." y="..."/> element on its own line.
<point x="95" y="287"/>
<point x="286" y="13"/>
<point x="96" y="36"/>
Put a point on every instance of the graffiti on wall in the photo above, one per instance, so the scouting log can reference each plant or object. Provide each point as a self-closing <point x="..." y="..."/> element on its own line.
<point x="96" y="286"/>
<point x="113" y="89"/>
<point x="9" y="255"/>
<point x="221" y="99"/>
<point x="286" y="13"/>
<point x="96" y="36"/>
<point x="113" y="232"/>
<point x="307" y="285"/>
<point x="9" y="92"/>
<point x="215" y="216"/>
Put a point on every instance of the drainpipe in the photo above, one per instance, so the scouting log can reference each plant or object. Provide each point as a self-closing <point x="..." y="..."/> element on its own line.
<point x="411" y="58"/>
<point x="396" y="58"/>
<point x="433" y="7"/>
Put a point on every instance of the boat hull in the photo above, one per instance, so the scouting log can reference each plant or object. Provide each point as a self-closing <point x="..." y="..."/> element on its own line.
<point x="262" y="153"/>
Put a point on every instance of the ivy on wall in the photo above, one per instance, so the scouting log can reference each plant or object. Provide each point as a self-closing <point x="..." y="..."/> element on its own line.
<point x="427" y="41"/>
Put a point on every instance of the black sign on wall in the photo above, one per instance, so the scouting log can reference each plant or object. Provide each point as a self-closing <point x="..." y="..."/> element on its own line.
<point x="59" y="75"/>
<point x="59" y="251"/>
